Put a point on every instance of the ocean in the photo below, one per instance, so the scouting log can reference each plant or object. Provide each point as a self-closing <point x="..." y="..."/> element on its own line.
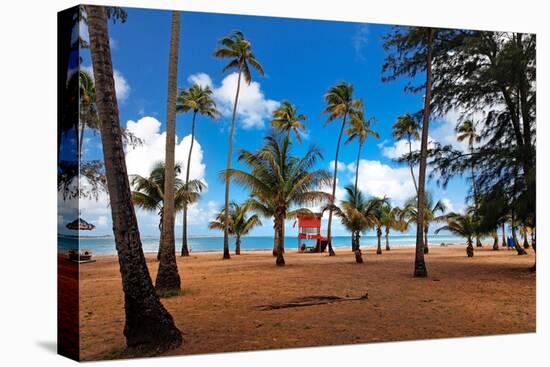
<point x="106" y="245"/>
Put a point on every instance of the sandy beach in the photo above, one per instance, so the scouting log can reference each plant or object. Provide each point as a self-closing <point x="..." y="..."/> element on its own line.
<point x="492" y="293"/>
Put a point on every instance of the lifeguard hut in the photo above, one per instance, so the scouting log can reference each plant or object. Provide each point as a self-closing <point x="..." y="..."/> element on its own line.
<point x="310" y="238"/>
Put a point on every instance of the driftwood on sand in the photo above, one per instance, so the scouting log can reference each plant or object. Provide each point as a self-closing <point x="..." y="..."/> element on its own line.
<point x="311" y="301"/>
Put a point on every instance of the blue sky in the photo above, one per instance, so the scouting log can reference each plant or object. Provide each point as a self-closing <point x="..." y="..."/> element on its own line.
<point x="302" y="59"/>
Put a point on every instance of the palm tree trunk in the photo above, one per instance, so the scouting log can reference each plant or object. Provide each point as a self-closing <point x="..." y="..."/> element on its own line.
<point x="275" y="238"/>
<point x="411" y="165"/>
<point x="495" y="241"/>
<point x="226" y="254"/>
<point x="503" y="235"/>
<point x="357" y="168"/>
<point x="168" y="277"/>
<point x="525" y="241"/>
<point x="419" y="263"/>
<point x="379" y="241"/>
<point x="356" y="245"/>
<point x="333" y="199"/>
<point x="280" y="261"/>
<point x="520" y="250"/>
<point x="184" y="246"/>
<point x="237" y="245"/>
<point x="147" y="323"/>
<point x="426" y="248"/>
<point x="474" y="187"/>
<point x="470" y="248"/>
<point x="387" y="239"/>
<point x="80" y="141"/>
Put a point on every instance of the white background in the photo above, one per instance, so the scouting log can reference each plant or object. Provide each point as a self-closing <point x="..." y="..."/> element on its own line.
<point x="28" y="191"/>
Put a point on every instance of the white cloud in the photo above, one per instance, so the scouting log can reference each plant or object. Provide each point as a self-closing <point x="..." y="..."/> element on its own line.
<point x="253" y="107"/>
<point x="341" y="166"/>
<point x="359" y="40"/>
<point x="122" y="88"/>
<point x="378" y="179"/>
<point x="399" y="148"/>
<point x="141" y="159"/>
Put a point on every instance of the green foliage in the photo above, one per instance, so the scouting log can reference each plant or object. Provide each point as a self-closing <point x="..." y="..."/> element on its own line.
<point x="286" y="119"/>
<point x="239" y="50"/>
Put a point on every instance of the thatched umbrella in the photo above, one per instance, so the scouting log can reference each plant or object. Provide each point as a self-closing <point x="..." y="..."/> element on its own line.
<point x="80" y="225"/>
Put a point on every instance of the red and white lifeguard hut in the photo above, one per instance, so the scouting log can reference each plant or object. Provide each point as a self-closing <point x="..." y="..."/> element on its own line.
<point x="309" y="230"/>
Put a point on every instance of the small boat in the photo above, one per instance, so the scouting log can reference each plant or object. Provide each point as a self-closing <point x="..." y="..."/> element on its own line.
<point x="80" y="256"/>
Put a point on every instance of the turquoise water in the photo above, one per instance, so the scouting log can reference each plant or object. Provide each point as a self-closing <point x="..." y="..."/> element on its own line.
<point x="106" y="245"/>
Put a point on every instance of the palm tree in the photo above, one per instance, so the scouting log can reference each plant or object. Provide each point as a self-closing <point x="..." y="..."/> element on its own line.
<point x="355" y="214"/>
<point x="462" y="225"/>
<point x="467" y="131"/>
<point x="392" y="218"/>
<point x="523" y="231"/>
<point x="147" y="323"/>
<point x="198" y="100"/>
<point x="340" y="104"/>
<point x="168" y="278"/>
<point x="432" y="209"/>
<point x="359" y="130"/>
<point x="239" y="50"/>
<point x="286" y="119"/>
<point x="239" y="222"/>
<point x="148" y="191"/>
<point x="87" y="110"/>
<point x="407" y="127"/>
<point x="375" y="217"/>
<point x="279" y="180"/>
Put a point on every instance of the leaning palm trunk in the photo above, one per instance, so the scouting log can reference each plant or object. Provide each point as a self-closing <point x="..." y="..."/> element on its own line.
<point x="419" y="263"/>
<point x="387" y="239"/>
<point x="333" y="197"/>
<point x="184" y="245"/>
<point x="519" y="249"/>
<point x="357" y="167"/>
<point x="226" y="254"/>
<point x="147" y="323"/>
<point x="167" y="276"/>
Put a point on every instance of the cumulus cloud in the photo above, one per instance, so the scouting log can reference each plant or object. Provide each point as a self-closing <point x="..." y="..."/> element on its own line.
<point x="378" y="179"/>
<point x="253" y="107"/>
<point x="141" y="159"/>
<point x="399" y="148"/>
<point x="122" y="87"/>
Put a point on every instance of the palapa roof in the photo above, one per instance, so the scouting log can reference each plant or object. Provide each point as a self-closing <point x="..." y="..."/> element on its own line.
<point x="80" y="225"/>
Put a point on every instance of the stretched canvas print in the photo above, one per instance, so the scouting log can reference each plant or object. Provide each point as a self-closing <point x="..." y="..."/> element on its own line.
<point x="233" y="183"/>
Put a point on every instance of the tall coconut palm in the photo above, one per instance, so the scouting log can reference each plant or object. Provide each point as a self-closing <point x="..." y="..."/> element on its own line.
<point x="148" y="193"/>
<point x="466" y="131"/>
<point x="434" y="212"/>
<point x="239" y="50"/>
<point x="239" y="222"/>
<point x="407" y="127"/>
<point x="286" y="119"/>
<point x="392" y="218"/>
<point x="198" y="100"/>
<point x="147" y="324"/>
<point x="168" y="278"/>
<point x="359" y="130"/>
<point x="462" y="225"/>
<point x="340" y="105"/>
<point x="280" y="180"/>
<point x="87" y="109"/>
